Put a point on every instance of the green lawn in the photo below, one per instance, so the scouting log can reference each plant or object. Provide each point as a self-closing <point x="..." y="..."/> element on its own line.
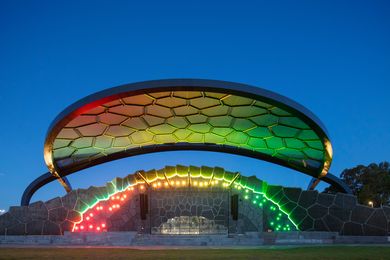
<point x="302" y="253"/>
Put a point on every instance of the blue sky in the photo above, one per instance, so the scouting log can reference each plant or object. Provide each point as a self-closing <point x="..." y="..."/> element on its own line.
<point x="331" y="56"/>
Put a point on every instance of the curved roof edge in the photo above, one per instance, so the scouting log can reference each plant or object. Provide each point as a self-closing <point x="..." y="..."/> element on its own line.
<point x="144" y="87"/>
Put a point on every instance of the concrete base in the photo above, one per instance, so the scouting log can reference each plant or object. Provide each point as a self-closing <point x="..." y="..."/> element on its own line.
<point x="248" y="239"/>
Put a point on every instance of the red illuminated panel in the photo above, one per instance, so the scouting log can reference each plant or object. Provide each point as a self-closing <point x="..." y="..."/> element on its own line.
<point x="94" y="219"/>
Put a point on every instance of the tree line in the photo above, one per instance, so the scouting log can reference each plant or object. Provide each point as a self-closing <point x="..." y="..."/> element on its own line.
<point x="371" y="183"/>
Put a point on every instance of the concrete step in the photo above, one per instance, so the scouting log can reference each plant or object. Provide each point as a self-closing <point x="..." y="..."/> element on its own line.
<point x="248" y="239"/>
<point x="199" y="240"/>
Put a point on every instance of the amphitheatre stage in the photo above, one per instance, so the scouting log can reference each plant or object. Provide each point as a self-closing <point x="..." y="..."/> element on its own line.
<point x="183" y="204"/>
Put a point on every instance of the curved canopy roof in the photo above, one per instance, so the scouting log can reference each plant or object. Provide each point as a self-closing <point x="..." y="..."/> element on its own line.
<point x="187" y="114"/>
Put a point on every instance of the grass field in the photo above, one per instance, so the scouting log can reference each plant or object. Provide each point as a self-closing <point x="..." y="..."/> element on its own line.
<point x="302" y="253"/>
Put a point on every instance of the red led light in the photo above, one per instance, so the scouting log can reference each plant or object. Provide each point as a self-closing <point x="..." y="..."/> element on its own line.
<point x="88" y="223"/>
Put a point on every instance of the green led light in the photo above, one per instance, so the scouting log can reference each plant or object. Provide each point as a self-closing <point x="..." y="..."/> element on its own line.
<point x="272" y="223"/>
<point x="256" y="194"/>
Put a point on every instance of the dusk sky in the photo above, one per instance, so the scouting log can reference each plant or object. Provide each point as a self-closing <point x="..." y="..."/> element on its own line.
<point x="333" y="57"/>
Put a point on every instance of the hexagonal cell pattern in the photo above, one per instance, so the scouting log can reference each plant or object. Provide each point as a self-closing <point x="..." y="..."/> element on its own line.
<point x="284" y="208"/>
<point x="188" y="117"/>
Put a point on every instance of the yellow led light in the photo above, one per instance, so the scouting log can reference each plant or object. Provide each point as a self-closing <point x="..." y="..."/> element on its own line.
<point x="202" y="182"/>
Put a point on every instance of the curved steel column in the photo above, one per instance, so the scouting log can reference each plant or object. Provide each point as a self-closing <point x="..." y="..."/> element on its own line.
<point x="339" y="184"/>
<point x="37" y="184"/>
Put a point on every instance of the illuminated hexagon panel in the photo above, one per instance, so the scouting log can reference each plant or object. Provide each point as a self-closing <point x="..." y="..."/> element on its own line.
<point x="184" y="114"/>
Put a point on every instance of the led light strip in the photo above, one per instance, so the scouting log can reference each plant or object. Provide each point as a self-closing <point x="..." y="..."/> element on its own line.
<point x="119" y="197"/>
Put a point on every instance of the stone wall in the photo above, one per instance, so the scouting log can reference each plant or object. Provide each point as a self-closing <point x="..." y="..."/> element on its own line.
<point x="42" y="218"/>
<point x="341" y="213"/>
<point x="250" y="217"/>
<point x="128" y="218"/>
<point x="213" y="205"/>
<point x="309" y="210"/>
<point x="58" y="215"/>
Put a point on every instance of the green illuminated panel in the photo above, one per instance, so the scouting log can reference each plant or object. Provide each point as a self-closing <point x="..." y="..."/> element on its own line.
<point x="188" y="117"/>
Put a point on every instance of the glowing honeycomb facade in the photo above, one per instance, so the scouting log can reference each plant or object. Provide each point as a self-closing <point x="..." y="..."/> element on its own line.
<point x="142" y="119"/>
